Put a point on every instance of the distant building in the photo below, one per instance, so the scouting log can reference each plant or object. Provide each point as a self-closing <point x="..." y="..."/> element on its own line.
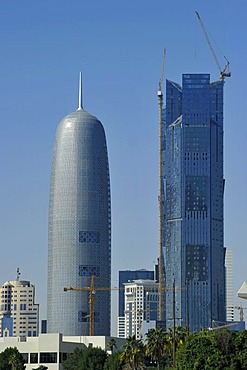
<point x="125" y="277"/>
<point x="141" y="306"/>
<point x="43" y="326"/>
<point x="121" y="327"/>
<point x="229" y="285"/>
<point x="51" y="350"/>
<point x="192" y="202"/>
<point x="19" y="314"/>
<point x="242" y="292"/>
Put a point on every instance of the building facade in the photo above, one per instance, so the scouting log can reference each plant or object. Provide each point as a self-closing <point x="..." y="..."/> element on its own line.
<point x="79" y="232"/>
<point x="192" y="201"/>
<point x="229" y="285"/>
<point x="125" y="277"/>
<point x="141" y="306"/>
<point x="50" y="350"/>
<point x="19" y="314"/>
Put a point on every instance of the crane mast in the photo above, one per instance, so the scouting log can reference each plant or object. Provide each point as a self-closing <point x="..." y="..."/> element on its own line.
<point x="91" y="299"/>
<point x="161" y="267"/>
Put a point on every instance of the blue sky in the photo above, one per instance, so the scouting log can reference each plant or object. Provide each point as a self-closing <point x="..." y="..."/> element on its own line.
<point x="118" y="46"/>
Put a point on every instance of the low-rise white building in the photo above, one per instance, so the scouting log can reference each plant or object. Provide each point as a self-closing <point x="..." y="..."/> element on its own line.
<point x="51" y="350"/>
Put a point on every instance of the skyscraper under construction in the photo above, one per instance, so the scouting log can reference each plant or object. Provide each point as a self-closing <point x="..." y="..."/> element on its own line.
<point x="79" y="227"/>
<point x="192" y="202"/>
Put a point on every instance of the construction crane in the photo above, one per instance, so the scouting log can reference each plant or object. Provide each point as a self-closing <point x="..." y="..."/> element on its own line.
<point x="91" y="298"/>
<point x="91" y="290"/>
<point x="224" y="72"/>
<point x="218" y="327"/>
<point x="160" y="199"/>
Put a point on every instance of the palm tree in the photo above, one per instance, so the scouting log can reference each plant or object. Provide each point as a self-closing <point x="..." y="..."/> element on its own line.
<point x="16" y="360"/>
<point x="112" y="344"/>
<point x="176" y="340"/>
<point x="180" y="336"/>
<point x="133" y="354"/>
<point x="156" y="344"/>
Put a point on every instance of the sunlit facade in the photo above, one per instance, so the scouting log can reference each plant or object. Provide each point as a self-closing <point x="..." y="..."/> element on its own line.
<point x="79" y="227"/>
<point x="140" y="306"/>
<point x="19" y="314"/>
<point x="192" y="201"/>
<point x="229" y="285"/>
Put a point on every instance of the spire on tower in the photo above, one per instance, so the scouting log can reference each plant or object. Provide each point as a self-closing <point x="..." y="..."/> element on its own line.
<point x="80" y="92"/>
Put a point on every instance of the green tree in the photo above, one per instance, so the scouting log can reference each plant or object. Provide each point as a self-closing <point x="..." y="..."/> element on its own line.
<point x="209" y="350"/>
<point x="156" y="344"/>
<point x="11" y="359"/>
<point x="195" y="352"/>
<point x="133" y="355"/>
<point x="240" y="345"/>
<point x="86" y="359"/>
<point x="113" y="362"/>
<point x="111" y="344"/>
<point x="180" y="337"/>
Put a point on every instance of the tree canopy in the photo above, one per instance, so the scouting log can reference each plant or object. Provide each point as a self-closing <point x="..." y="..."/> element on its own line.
<point x="133" y="356"/>
<point x="219" y="350"/>
<point x="113" y="362"/>
<point x="86" y="359"/>
<point x="11" y="359"/>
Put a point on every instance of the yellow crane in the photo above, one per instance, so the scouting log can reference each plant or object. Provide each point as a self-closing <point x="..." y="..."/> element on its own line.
<point x="91" y="294"/>
<point x="225" y="326"/>
<point x="224" y="72"/>
<point x="91" y="290"/>
<point x="161" y="258"/>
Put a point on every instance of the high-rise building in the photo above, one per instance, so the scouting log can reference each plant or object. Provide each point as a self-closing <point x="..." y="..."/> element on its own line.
<point x="229" y="285"/>
<point x="19" y="315"/>
<point x="192" y="201"/>
<point x="141" y="306"/>
<point x="79" y="226"/>
<point x="128" y="276"/>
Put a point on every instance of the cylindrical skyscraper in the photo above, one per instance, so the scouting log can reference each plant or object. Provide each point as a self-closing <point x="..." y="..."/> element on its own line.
<point x="79" y="227"/>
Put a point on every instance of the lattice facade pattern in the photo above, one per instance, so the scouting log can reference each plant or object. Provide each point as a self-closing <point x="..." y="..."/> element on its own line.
<point x="79" y="226"/>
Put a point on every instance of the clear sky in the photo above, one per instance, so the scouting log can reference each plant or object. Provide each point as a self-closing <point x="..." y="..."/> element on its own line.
<point x="118" y="46"/>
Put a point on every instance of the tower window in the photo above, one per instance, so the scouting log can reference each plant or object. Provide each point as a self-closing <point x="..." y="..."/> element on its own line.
<point x="89" y="237"/>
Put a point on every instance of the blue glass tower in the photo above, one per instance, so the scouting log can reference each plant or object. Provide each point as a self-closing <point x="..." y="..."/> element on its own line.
<point x="79" y="234"/>
<point x="192" y="201"/>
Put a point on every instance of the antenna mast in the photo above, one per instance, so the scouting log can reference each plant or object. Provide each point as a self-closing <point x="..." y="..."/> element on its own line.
<point x="18" y="274"/>
<point x="160" y="198"/>
<point x="80" y="92"/>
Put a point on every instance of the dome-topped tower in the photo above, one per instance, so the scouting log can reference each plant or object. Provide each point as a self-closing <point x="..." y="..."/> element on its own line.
<point x="79" y="226"/>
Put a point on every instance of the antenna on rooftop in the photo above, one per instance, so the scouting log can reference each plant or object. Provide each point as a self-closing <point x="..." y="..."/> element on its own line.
<point x="80" y="92"/>
<point x="18" y="274"/>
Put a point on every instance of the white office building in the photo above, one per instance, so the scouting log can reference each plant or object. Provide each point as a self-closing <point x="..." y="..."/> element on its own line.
<point x="229" y="285"/>
<point x="51" y="350"/>
<point x="19" y="315"/>
<point x="141" y="306"/>
<point x="121" y="327"/>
